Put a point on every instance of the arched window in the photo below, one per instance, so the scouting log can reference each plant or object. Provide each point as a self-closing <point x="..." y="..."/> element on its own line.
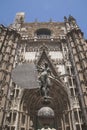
<point x="43" y="33"/>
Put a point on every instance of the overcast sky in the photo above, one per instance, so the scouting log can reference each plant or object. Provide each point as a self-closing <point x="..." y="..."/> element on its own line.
<point x="43" y="10"/>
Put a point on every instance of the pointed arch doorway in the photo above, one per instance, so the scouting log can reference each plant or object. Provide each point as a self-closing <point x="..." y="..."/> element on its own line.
<point x="59" y="104"/>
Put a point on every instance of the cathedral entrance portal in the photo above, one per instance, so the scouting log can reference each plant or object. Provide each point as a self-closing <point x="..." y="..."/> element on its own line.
<point x="47" y="104"/>
<point x="52" y="114"/>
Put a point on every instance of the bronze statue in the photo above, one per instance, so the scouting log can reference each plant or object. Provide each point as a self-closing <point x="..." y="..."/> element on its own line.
<point x="44" y="79"/>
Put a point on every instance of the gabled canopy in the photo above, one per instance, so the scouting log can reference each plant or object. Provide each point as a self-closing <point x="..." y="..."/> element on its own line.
<point x="45" y="58"/>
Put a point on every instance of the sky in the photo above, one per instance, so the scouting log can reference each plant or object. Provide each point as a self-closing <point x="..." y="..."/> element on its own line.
<point x="43" y="10"/>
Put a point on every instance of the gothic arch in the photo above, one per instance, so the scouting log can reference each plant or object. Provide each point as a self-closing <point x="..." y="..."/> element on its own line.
<point x="43" y="31"/>
<point x="59" y="101"/>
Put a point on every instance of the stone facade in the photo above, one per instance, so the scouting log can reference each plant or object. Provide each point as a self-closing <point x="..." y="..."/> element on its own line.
<point x="63" y="47"/>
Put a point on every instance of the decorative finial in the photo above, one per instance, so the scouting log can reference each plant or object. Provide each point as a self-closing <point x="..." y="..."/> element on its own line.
<point x="65" y="18"/>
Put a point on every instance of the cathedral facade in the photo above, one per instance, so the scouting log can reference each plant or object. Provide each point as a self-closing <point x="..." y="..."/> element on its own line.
<point x="62" y="46"/>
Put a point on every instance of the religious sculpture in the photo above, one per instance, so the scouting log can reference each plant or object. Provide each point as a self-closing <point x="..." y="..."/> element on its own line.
<point x="44" y="79"/>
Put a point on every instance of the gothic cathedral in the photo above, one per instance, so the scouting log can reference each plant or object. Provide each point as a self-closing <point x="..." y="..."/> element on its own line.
<point x="60" y="52"/>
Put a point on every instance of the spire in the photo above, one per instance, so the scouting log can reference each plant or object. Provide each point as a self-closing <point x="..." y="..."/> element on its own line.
<point x="71" y="18"/>
<point x="65" y="19"/>
<point x="72" y="22"/>
<point x="19" y="20"/>
<point x="19" y="17"/>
